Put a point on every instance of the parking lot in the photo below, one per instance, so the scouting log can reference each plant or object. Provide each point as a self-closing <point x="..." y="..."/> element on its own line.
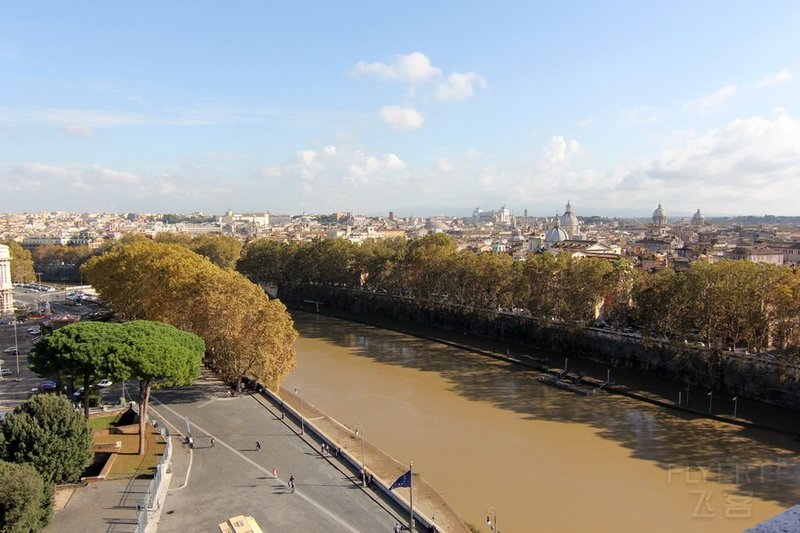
<point x="17" y="381"/>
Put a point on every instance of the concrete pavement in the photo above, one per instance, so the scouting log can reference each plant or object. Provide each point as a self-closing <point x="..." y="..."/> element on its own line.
<point x="210" y="484"/>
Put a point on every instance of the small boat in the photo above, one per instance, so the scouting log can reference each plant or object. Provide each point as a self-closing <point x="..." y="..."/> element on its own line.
<point x="559" y="382"/>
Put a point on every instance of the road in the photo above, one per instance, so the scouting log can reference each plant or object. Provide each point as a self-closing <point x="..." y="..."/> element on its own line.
<point x="233" y="477"/>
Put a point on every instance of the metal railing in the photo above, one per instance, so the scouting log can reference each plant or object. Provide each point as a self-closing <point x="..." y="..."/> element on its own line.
<point x="150" y="502"/>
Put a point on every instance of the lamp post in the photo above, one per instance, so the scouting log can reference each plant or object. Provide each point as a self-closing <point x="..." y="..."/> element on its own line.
<point x="710" y="399"/>
<point x="299" y="393"/>
<point x="16" y="345"/>
<point x="363" y="461"/>
<point x="735" y="404"/>
<point x="491" y="519"/>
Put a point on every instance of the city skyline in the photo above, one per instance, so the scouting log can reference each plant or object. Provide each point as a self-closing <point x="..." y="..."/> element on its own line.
<point x="376" y="108"/>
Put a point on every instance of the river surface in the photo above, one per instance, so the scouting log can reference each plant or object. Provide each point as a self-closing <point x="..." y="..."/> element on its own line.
<point x="490" y="438"/>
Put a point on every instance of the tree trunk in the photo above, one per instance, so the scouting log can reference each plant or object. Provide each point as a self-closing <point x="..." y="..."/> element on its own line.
<point x="86" y="396"/>
<point x="144" y="401"/>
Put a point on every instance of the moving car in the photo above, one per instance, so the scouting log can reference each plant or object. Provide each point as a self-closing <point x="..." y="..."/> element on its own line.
<point x="104" y="383"/>
<point x="11" y="349"/>
<point x="5" y="371"/>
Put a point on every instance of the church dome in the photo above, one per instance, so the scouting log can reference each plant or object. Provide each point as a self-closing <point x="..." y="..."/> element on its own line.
<point x="568" y="219"/>
<point x="698" y="219"/>
<point x="659" y="216"/>
<point x="557" y="234"/>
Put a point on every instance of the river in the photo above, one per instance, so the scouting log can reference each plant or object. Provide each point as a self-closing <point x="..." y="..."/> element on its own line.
<point x="490" y="438"/>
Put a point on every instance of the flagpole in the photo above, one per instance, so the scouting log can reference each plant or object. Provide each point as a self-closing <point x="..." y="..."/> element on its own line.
<point x="411" y="494"/>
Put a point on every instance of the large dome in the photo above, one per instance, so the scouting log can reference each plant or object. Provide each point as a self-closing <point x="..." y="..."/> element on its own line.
<point x="659" y="216"/>
<point x="698" y="219"/>
<point x="568" y="219"/>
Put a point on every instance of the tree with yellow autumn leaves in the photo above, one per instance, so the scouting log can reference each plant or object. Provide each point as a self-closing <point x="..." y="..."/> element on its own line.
<point x="245" y="332"/>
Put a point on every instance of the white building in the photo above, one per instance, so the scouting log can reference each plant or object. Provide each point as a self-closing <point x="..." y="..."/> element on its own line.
<point x="6" y="288"/>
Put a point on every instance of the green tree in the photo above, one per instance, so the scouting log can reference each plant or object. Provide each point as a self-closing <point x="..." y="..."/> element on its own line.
<point x="221" y="250"/>
<point x="26" y="500"/>
<point x="158" y="355"/>
<point x="21" y="263"/>
<point x="47" y="433"/>
<point x="84" y="350"/>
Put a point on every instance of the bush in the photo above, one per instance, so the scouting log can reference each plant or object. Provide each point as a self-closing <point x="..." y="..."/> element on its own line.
<point x="48" y="434"/>
<point x="26" y="500"/>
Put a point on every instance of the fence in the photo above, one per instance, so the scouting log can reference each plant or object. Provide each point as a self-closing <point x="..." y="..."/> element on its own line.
<point x="152" y="491"/>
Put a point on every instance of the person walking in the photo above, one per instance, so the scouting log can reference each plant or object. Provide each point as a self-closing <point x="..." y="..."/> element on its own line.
<point x="291" y="483"/>
<point x="213" y="442"/>
<point x="258" y="446"/>
<point x="274" y="473"/>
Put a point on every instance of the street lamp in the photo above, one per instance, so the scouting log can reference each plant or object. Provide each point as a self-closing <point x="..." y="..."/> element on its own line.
<point x="299" y="393"/>
<point x="16" y="345"/>
<point x="491" y="519"/>
<point x="735" y="404"/>
<point x="710" y="399"/>
<point x="363" y="462"/>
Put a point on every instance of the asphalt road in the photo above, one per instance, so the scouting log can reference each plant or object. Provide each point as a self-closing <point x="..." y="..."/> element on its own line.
<point x="233" y="477"/>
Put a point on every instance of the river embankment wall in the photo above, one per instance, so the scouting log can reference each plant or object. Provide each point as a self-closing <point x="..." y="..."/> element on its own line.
<point x="747" y="375"/>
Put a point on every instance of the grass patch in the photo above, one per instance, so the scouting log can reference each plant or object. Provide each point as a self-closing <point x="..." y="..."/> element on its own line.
<point x="103" y="422"/>
<point x="129" y="463"/>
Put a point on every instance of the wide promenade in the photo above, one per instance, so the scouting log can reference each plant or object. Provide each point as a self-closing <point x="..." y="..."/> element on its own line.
<point x="232" y="476"/>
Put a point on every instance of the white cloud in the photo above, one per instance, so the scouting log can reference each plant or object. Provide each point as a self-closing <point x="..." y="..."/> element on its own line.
<point x="79" y="131"/>
<point x="416" y="70"/>
<point x="329" y="150"/>
<point x="54" y="179"/>
<point x="559" y="149"/>
<point x="411" y="68"/>
<point x="712" y="101"/>
<point x="402" y="118"/>
<point x="753" y="161"/>
<point x="459" y="86"/>
<point x="775" y="79"/>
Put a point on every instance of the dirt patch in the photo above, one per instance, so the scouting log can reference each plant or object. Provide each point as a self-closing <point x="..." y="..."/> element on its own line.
<point x="62" y="496"/>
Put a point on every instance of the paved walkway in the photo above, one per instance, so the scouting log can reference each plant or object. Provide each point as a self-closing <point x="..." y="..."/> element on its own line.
<point x="212" y="483"/>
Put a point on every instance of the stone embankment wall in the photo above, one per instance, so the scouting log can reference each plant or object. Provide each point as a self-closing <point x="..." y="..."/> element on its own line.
<point x="747" y="375"/>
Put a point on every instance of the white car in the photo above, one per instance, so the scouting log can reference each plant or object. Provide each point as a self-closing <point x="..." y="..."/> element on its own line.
<point x="10" y="349"/>
<point x="104" y="383"/>
<point x="34" y="330"/>
<point x="5" y="372"/>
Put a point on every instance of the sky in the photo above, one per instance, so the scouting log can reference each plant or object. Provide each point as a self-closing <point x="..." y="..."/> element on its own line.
<point x="412" y="107"/>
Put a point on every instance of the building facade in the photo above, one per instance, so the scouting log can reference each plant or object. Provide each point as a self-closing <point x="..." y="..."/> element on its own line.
<point x="6" y="288"/>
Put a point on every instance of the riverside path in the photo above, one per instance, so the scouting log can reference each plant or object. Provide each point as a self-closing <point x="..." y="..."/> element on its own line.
<point x="213" y="482"/>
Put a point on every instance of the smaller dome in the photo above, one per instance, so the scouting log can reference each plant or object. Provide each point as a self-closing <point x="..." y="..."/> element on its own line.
<point x="557" y="234"/>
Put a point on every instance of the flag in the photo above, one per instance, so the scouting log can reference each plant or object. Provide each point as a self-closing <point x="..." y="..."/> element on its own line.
<point x="402" y="481"/>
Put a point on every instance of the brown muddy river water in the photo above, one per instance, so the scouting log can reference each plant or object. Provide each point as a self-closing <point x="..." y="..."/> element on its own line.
<point x="488" y="436"/>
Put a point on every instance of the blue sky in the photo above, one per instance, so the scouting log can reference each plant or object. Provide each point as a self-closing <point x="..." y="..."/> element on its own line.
<point x="415" y="107"/>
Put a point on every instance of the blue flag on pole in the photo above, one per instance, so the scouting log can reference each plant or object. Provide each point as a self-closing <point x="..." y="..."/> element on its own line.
<point x="402" y="481"/>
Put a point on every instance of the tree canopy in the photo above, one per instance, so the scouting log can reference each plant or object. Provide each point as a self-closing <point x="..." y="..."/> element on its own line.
<point x="48" y="434"/>
<point x="245" y="332"/>
<point x="26" y="501"/>
<point x="158" y="355"/>
<point x="83" y="350"/>
<point x="21" y="263"/>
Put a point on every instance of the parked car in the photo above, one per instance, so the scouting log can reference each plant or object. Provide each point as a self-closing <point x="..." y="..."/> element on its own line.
<point x="35" y="330"/>
<point x="5" y="371"/>
<point x="104" y="383"/>
<point x="48" y="386"/>
<point x="11" y="350"/>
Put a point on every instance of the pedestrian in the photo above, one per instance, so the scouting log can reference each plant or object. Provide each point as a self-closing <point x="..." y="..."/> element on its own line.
<point x="397" y="527"/>
<point x="213" y="442"/>
<point x="274" y="473"/>
<point x="291" y="483"/>
<point x="258" y="446"/>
